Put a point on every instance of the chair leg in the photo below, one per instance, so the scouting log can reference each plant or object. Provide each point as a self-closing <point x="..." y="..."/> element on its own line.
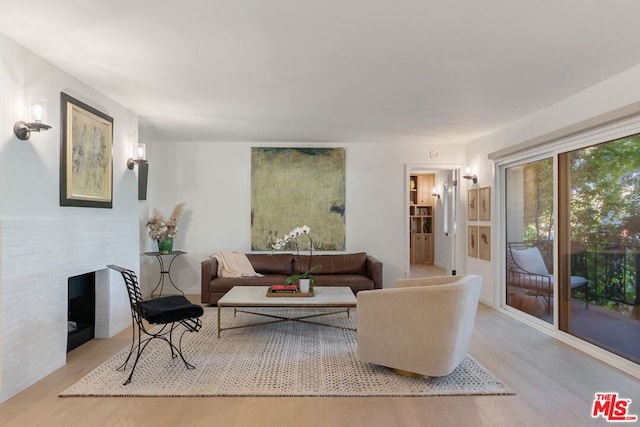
<point x="191" y="325"/>
<point x="586" y="296"/>
<point x="140" y="348"/>
<point x="179" y="351"/>
<point x="548" y="301"/>
<point x="166" y="329"/>
<point x="133" y="345"/>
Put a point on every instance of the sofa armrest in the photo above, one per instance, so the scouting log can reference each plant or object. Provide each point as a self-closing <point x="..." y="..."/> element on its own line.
<point x="374" y="271"/>
<point x="209" y="268"/>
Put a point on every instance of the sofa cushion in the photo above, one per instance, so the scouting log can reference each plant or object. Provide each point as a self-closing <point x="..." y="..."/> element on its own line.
<point x="336" y="264"/>
<point x="356" y="282"/>
<point x="224" y="284"/>
<point x="272" y="264"/>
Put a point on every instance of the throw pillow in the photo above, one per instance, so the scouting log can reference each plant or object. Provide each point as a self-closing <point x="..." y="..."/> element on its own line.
<point x="530" y="260"/>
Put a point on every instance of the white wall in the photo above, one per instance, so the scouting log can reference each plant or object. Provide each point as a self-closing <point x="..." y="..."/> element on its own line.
<point x="42" y="243"/>
<point x="214" y="179"/>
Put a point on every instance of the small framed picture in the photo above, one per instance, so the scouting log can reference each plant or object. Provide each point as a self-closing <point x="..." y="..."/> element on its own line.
<point x="484" y="203"/>
<point x="472" y="241"/>
<point x="484" y="243"/>
<point x="472" y="205"/>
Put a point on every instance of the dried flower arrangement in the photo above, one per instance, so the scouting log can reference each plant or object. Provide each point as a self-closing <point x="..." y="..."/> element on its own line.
<point x="159" y="228"/>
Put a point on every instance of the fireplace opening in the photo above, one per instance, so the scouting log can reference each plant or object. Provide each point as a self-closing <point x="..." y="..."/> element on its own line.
<point x="82" y="309"/>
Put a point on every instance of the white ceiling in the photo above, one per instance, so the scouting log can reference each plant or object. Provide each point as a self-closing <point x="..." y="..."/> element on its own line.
<point x="330" y="70"/>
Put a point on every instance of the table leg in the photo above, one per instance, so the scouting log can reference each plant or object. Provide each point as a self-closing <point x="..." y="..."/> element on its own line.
<point x="160" y="279"/>
<point x="168" y="272"/>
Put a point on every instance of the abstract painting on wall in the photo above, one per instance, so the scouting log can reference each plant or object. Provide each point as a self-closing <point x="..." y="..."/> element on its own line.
<point x="291" y="187"/>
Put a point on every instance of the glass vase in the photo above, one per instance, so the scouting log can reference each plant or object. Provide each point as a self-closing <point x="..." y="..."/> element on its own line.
<point x="165" y="245"/>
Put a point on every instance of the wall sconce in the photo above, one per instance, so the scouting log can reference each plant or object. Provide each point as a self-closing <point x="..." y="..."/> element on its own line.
<point x="434" y="192"/>
<point x="143" y="169"/>
<point x="141" y="157"/>
<point x="467" y="175"/>
<point x="38" y="112"/>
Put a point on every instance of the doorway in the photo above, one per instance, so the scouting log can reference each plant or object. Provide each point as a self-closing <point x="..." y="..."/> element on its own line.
<point x="432" y="216"/>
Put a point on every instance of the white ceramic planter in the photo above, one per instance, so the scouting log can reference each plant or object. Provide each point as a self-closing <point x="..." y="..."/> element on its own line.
<point x="303" y="285"/>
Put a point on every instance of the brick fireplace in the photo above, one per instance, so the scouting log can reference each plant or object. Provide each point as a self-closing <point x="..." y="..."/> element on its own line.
<point x="37" y="256"/>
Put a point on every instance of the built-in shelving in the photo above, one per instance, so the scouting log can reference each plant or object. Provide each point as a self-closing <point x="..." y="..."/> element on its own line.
<point x="421" y="217"/>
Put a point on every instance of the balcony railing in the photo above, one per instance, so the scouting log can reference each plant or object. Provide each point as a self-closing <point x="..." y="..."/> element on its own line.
<point x="611" y="270"/>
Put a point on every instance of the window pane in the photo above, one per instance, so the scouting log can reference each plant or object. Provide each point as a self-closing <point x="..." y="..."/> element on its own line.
<point x="529" y="231"/>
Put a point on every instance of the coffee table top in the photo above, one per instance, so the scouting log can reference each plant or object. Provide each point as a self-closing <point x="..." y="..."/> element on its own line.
<point x="256" y="296"/>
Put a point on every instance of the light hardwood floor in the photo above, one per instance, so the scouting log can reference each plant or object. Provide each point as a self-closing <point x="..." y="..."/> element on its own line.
<point x="554" y="386"/>
<point x="424" y="270"/>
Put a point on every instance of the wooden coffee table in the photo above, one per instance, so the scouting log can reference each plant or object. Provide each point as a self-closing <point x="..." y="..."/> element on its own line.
<point x="242" y="297"/>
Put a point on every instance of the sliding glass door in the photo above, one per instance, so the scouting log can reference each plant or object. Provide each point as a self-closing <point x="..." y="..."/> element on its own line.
<point x="599" y="244"/>
<point x="572" y="241"/>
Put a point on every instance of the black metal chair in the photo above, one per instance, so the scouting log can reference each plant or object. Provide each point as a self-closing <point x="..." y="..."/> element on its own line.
<point x="170" y="311"/>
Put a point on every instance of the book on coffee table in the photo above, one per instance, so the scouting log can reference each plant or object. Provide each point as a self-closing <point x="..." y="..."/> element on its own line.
<point x="287" y="291"/>
<point x="284" y="288"/>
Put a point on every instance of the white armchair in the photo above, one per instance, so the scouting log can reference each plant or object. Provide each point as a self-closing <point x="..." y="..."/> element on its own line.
<point x="421" y="326"/>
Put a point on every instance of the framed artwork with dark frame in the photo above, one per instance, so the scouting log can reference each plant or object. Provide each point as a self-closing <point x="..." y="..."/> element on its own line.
<point x="484" y="203"/>
<point x="86" y="164"/>
<point x="484" y="243"/>
<point x="472" y="241"/>
<point x="472" y="205"/>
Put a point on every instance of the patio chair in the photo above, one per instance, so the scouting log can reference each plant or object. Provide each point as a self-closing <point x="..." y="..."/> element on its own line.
<point x="169" y="311"/>
<point x="527" y="270"/>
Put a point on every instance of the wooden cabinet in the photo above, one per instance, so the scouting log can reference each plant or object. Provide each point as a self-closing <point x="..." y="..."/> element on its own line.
<point x="421" y="219"/>
<point x="425" y="187"/>
<point x="427" y="254"/>
<point x="421" y="248"/>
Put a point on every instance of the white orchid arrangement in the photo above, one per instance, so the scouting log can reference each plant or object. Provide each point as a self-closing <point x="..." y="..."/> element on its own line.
<point x="292" y="239"/>
<point x="159" y="228"/>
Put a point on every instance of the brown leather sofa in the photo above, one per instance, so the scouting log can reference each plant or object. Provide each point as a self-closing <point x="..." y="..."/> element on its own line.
<point x="358" y="271"/>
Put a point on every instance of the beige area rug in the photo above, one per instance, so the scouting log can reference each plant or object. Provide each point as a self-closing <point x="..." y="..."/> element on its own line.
<point x="282" y="359"/>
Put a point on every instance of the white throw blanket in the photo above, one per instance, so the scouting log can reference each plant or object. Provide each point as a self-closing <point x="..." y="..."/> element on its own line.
<point x="234" y="264"/>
